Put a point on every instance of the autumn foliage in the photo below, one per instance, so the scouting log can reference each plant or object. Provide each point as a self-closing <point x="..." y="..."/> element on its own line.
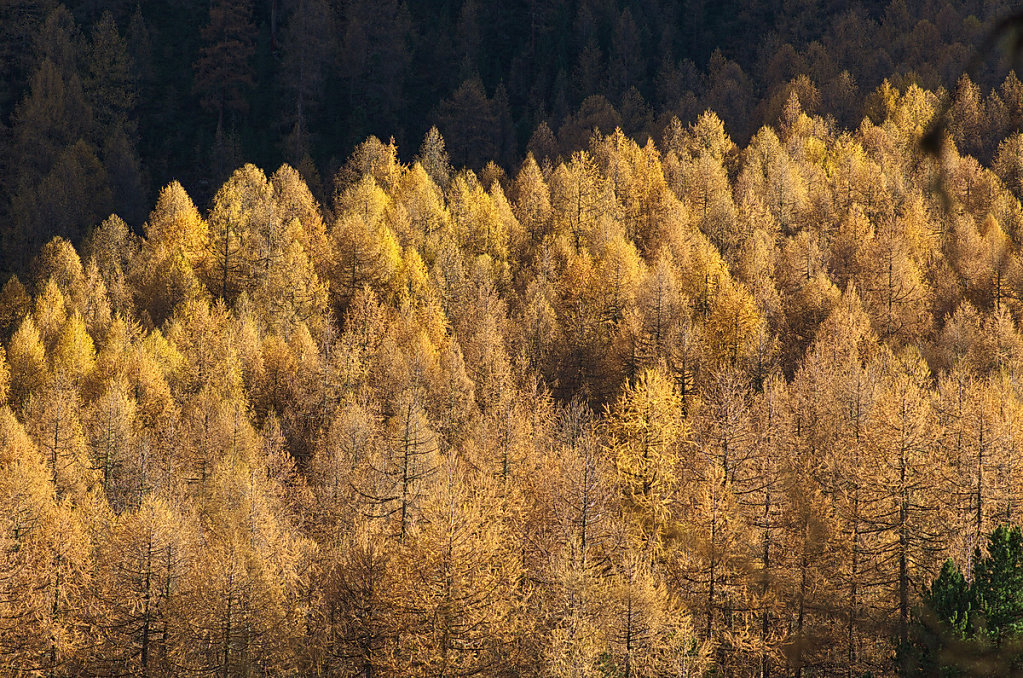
<point x="647" y="410"/>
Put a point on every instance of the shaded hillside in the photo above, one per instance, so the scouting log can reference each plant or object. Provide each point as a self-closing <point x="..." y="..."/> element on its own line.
<point x="103" y="103"/>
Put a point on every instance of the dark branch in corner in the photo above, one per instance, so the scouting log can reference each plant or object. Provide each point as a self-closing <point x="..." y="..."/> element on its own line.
<point x="932" y="142"/>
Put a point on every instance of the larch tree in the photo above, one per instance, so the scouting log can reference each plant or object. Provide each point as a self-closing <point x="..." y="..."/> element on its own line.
<point x="246" y="234"/>
<point x="5" y="377"/>
<point x="113" y="247"/>
<point x="308" y="44"/>
<point x="423" y="213"/>
<point x="732" y="326"/>
<point x="468" y="119"/>
<point x="223" y="70"/>
<point x="976" y="415"/>
<point x="646" y="435"/>
<point x="110" y="427"/>
<point x="176" y="225"/>
<point x="640" y="188"/>
<point x="853" y="177"/>
<point x="708" y="135"/>
<point x="96" y="309"/>
<point x="812" y="533"/>
<point x="846" y="347"/>
<point x="661" y="309"/>
<point x="59" y="261"/>
<point x="406" y="462"/>
<point x="74" y="195"/>
<point x="904" y="458"/>
<point x="434" y="159"/>
<point x="475" y="224"/>
<point x="174" y="255"/>
<point x="139" y="570"/>
<point x="532" y="199"/>
<point x="239" y="591"/>
<point x="47" y="122"/>
<point x="579" y="195"/>
<point x="29" y="509"/>
<point x="65" y="594"/>
<point x="770" y="171"/>
<point x="290" y="291"/>
<point x="359" y="611"/>
<point x="294" y="201"/>
<point x="896" y="296"/>
<point x="15" y="302"/>
<point x="369" y="252"/>
<point x="460" y="604"/>
<point x="1008" y="163"/>
<point x="712" y="568"/>
<point x="649" y="632"/>
<point x="26" y="358"/>
<point x="50" y="313"/>
<point x="707" y="192"/>
<point x="74" y="353"/>
<point x="765" y="502"/>
<point x="575" y="493"/>
<point x="52" y="416"/>
<point x="340" y="466"/>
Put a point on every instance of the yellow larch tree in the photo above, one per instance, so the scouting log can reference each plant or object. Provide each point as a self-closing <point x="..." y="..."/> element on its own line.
<point x="732" y="326"/>
<point x="245" y="234"/>
<point x="458" y="580"/>
<point x="293" y="200"/>
<point x="648" y="632"/>
<point x="50" y="311"/>
<point x="422" y="212"/>
<point x="52" y="417"/>
<point x="28" y="512"/>
<point x="645" y="433"/>
<point x="908" y="470"/>
<point x="15" y="303"/>
<point x="114" y="247"/>
<point x="240" y="590"/>
<point x="173" y="256"/>
<point x="369" y="253"/>
<point x="531" y="200"/>
<point x="110" y="426"/>
<point x="26" y="357"/>
<point x="576" y="539"/>
<point x="580" y="197"/>
<point x="59" y="261"/>
<point x="139" y="570"/>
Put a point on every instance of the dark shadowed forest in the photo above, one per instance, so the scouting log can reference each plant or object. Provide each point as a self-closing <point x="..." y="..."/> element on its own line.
<point x="103" y="103"/>
<point x="575" y="339"/>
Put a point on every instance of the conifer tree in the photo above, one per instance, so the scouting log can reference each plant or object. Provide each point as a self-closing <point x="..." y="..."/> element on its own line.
<point x="646" y="436"/>
<point x="223" y="71"/>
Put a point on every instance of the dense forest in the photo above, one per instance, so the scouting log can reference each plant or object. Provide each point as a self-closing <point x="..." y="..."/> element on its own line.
<point x="103" y="103"/>
<point x="734" y="391"/>
<point x="653" y="410"/>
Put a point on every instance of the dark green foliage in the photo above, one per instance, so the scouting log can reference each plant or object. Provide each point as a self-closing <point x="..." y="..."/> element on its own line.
<point x="951" y="599"/>
<point x="998" y="586"/>
<point x="972" y="628"/>
<point x="941" y="626"/>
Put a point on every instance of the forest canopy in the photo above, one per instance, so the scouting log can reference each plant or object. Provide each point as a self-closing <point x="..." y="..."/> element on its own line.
<point x="714" y="395"/>
<point x="648" y="409"/>
<point x="104" y="103"/>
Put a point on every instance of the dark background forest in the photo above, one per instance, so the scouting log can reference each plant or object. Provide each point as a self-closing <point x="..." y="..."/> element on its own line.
<point x="102" y="103"/>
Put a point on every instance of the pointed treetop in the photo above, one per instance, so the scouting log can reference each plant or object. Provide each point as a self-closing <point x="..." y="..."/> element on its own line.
<point x="434" y="158"/>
